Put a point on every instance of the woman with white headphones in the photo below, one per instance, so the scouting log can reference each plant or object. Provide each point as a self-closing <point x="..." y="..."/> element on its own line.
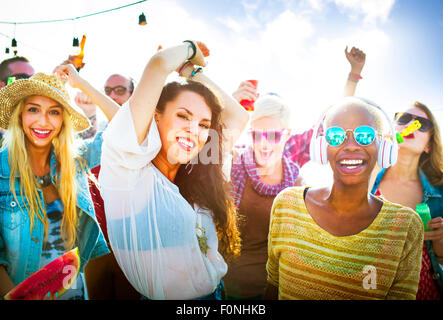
<point x="342" y="242"/>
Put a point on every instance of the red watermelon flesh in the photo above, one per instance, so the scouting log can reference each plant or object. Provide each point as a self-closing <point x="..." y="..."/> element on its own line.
<point x="56" y="277"/>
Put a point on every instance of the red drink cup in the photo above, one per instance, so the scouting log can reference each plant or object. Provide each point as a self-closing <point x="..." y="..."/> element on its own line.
<point x="249" y="104"/>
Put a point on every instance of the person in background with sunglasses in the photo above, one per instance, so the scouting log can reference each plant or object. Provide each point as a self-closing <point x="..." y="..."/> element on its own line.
<point x="12" y="69"/>
<point x="258" y="174"/>
<point x="119" y="88"/>
<point x="342" y="242"/>
<point x="15" y="68"/>
<point x="417" y="178"/>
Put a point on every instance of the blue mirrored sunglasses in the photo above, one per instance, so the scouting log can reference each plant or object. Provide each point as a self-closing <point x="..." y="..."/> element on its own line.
<point x="363" y="135"/>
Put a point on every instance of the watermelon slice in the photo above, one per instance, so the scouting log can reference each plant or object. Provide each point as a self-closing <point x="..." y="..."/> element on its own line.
<point x="54" y="278"/>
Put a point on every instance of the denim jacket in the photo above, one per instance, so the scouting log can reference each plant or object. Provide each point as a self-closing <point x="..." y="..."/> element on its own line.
<point x="20" y="250"/>
<point x="433" y="196"/>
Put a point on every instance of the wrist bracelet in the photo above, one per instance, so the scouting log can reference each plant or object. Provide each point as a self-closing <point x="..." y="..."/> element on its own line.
<point x="182" y="67"/>
<point x="192" y="45"/>
<point x="195" y="71"/>
<point x="352" y="79"/>
<point x="354" y="76"/>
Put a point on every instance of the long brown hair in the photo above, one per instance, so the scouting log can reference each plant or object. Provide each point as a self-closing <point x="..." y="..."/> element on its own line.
<point x="204" y="184"/>
<point x="431" y="163"/>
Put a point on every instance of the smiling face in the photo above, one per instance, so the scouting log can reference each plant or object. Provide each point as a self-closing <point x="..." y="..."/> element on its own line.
<point x="418" y="141"/>
<point x="268" y="150"/>
<point x="42" y="120"/>
<point x="184" y="127"/>
<point x="350" y="162"/>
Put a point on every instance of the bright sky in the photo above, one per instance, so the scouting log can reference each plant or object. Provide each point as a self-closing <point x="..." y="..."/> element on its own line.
<point x="294" y="48"/>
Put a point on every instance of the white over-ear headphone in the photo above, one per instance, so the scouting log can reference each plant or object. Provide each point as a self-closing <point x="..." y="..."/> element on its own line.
<point x="387" y="150"/>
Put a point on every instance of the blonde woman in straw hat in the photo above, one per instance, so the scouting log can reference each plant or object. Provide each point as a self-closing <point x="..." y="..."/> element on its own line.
<point x="45" y="204"/>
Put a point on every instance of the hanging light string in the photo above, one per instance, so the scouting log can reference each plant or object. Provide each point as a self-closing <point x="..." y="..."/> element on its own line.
<point x="26" y="45"/>
<point x="71" y="19"/>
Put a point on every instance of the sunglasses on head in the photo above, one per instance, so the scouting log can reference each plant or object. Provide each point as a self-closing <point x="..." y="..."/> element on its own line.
<point x="363" y="135"/>
<point x="17" y="76"/>
<point x="403" y="118"/>
<point x="119" y="90"/>
<point x="271" y="136"/>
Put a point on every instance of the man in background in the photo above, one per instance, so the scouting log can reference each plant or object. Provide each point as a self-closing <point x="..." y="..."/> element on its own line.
<point x="17" y="67"/>
<point x="119" y="88"/>
<point x="14" y="68"/>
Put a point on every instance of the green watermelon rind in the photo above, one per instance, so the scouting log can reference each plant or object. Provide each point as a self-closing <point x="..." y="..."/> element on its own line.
<point x="52" y="269"/>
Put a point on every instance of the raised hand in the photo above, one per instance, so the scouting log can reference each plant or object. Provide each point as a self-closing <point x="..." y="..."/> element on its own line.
<point x="204" y="49"/>
<point x="356" y="58"/>
<point x="186" y="68"/>
<point x="85" y="103"/>
<point x="245" y="91"/>
<point x="69" y="73"/>
<point x="201" y="54"/>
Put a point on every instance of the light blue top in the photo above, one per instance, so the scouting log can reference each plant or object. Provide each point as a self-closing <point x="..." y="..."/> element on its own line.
<point x="21" y="250"/>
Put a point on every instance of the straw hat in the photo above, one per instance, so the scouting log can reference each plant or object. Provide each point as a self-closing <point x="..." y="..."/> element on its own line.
<point x="39" y="84"/>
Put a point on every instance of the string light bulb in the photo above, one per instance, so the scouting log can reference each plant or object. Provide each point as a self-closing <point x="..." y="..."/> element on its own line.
<point x="14" y="46"/>
<point x="142" y="19"/>
<point x="7" y="50"/>
<point x="75" y="42"/>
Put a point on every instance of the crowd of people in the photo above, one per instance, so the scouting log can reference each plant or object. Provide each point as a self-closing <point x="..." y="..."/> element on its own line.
<point x="163" y="203"/>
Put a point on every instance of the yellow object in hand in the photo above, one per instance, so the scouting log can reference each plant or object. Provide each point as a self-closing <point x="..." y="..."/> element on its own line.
<point x="411" y="128"/>
<point x="407" y="131"/>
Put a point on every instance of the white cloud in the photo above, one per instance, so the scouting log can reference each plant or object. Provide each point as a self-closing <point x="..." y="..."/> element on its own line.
<point x="291" y="57"/>
<point x="373" y="10"/>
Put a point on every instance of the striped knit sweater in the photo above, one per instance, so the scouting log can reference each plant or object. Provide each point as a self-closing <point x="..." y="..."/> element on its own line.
<point x="306" y="262"/>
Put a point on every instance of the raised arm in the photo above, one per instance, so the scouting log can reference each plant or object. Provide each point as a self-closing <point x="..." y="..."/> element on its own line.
<point x="145" y="97"/>
<point x="234" y="116"/>
<point x="106" y="104"/>
<point x="357" y="60"/>
<point x="245" y="91"/>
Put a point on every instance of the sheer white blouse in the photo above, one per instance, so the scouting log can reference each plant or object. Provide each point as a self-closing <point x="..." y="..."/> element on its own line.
<point x="152" y="228"/>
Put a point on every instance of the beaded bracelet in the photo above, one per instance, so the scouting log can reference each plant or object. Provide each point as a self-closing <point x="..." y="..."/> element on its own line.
<point x="183" y="66"/>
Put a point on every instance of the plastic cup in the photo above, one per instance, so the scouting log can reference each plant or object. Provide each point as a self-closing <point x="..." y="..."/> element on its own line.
<point x="249" y="104"/>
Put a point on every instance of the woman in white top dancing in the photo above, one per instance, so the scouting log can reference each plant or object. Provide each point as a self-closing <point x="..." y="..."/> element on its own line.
<point x="171" y="223"/>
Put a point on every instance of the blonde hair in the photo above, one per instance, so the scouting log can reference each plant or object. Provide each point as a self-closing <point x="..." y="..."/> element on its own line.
<point x="432" y="163"/>
<point x="66" y="157"/>
<point x="272" y="105"/>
